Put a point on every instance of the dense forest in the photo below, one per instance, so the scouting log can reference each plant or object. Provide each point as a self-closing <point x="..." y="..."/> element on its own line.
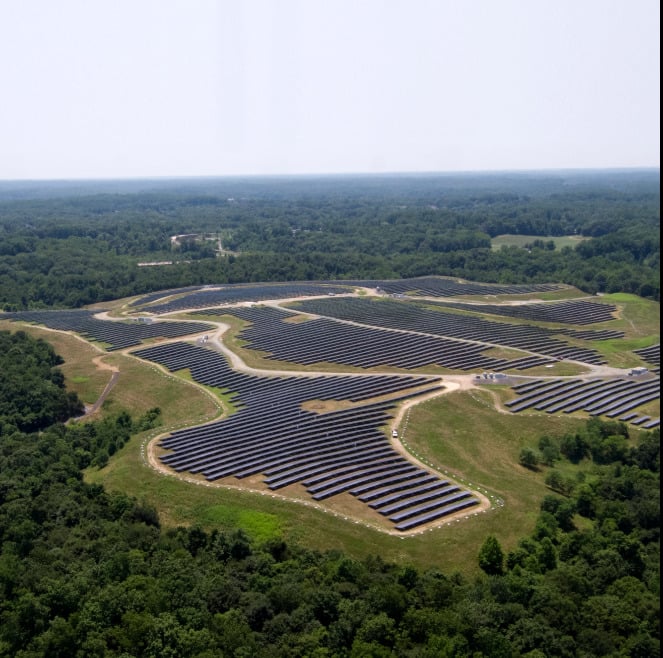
<point x="80" y="243"/>
<point x="86" y="573"/>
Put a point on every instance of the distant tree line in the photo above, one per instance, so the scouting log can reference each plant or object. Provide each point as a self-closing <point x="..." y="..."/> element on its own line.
<point x="88" y="573"/>
<point x="72" y="251"/>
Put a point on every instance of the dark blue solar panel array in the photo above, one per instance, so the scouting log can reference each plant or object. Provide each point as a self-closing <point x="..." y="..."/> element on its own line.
<point x="413" y="317"/>
<point x="233" y="294"/>
<point x="330" y="341"/>
<point x="590" y="334"/>
<point x="329" y="453"/>
<point x="651" y="355"/>
<point x="612" y="398"/>
<point x="162" y="294"/>
<point x="118" y="335"/>
<point x="429" y="286"/>
<point x="433" y="286"/>
<point x="573" y="311"/>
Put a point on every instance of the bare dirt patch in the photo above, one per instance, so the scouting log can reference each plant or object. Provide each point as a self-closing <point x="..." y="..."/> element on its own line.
<point x="297" y="319"/>
<point x="325" y="406"/>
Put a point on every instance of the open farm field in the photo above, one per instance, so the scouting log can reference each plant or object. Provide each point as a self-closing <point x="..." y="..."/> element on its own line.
<point x="561" y="241"/>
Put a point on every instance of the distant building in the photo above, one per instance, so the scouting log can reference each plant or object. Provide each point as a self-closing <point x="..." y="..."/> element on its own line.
<point x="155" y="262"/>
<point x="183" y="236"/>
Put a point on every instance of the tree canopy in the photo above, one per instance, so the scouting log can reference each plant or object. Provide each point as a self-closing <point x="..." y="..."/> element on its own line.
<point x="59" y="250"/>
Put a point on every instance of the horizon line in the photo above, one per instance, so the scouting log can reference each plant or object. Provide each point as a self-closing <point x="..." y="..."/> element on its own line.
<point x="445" y="172"/>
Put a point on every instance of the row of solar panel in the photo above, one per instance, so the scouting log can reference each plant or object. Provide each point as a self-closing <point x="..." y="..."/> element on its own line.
<point x="433" y="286"/>
<point x="572" y="311"/>
<point x="226" y="293"/>
<point x="340" y="451"/>
<point x="234" y="294"/>
<point x="325" y="340"/>
<point x="211" y="368"/>
<point x="163" y="294"/>
<point x="611" y="398"/>
<point x="650" y="354"/>
<point x="118" y="335"/>
<point x="414" y="317"/>
<point x="591" y="334"/>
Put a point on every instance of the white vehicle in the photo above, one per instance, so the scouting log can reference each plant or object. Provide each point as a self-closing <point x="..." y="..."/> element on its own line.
<point x="394" y="434"/>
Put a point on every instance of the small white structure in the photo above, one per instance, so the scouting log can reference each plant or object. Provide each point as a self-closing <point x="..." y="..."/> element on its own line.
<point x="638" y="371"/>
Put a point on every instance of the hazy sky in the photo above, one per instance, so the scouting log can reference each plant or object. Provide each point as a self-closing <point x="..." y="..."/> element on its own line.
<point x="123" y="88"/>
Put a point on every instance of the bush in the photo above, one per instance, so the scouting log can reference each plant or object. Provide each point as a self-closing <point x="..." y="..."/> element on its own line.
<point x="529" y="459"/>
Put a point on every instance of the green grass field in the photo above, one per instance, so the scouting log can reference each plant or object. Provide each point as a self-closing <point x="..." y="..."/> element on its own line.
<point x="640" y="321"/>
<point x="508" y="240"/>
